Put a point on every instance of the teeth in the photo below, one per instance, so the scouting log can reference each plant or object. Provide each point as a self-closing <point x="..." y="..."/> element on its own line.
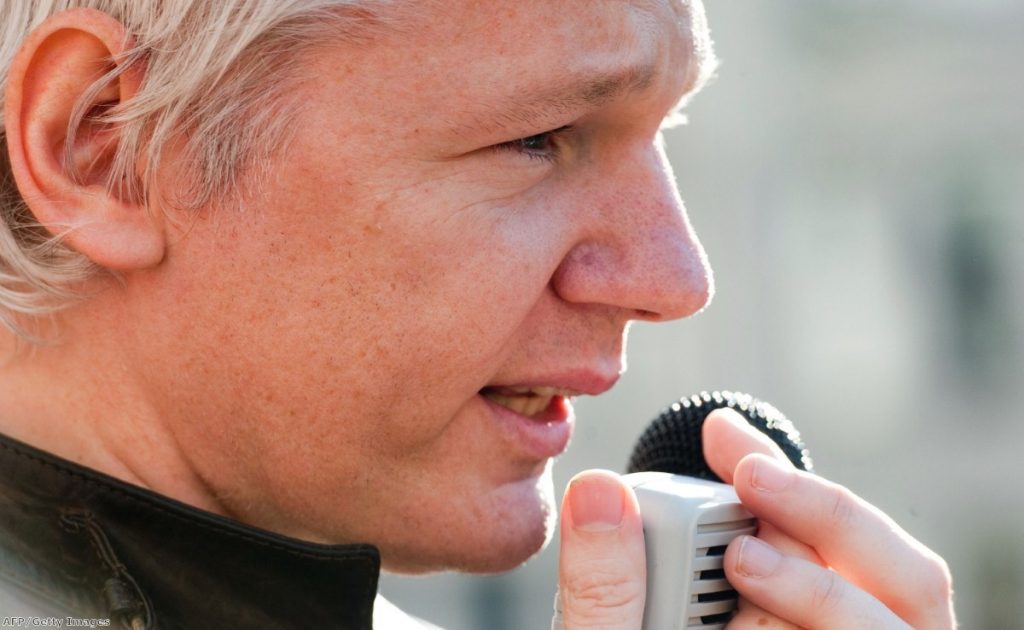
<point x="526" y="401"/>
<point x="528" y="405"/>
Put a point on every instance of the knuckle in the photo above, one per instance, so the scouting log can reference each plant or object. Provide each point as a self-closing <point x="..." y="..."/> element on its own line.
<point x="842" y="508"/>
<point x="827" y="593"/>
<point x="598" y="595"/>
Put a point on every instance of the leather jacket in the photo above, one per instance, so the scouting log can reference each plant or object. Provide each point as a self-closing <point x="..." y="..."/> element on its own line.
<point x="78" y="543"/>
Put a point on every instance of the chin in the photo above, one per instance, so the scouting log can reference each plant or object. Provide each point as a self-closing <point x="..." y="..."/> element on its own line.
<point x="494" y="536"/>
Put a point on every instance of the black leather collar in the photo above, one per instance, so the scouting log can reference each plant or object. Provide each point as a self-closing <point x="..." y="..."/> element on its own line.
<point x="77" y="542"/>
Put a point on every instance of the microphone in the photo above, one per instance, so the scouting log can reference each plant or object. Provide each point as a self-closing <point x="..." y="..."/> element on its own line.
<point x="689" y="515"/>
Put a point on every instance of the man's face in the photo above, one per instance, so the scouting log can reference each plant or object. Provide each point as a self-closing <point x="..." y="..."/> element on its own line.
<point x="377" y="345"/>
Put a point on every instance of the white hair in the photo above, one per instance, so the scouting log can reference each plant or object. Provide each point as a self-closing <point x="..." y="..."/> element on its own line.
<point x="217" y="73"/>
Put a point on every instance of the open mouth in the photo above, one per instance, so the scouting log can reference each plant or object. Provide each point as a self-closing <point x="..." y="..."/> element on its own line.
<point x="531" y="402"/>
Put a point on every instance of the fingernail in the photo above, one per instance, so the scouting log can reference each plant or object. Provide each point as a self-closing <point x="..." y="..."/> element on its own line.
<point x="757" y="559"/>
<point x="596" y="503"/>
<point x="770" y="476"/>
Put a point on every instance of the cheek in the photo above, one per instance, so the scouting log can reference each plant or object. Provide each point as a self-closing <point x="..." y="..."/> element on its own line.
<point x="392" y="310"/>
<point x="367" y="324"/>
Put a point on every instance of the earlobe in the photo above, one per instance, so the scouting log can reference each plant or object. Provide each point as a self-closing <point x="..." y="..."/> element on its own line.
<point x="63" y="166"/>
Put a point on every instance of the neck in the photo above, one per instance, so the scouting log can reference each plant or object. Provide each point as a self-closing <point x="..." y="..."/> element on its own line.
<point x="78" y="397"/>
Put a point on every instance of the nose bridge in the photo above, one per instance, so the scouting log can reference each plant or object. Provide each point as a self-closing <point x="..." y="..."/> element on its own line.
<point x="642" y="254"/>
<point x="648" y="204"/>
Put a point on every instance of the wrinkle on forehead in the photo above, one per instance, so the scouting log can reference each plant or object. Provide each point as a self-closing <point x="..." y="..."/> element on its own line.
<point x="517" y="53"/>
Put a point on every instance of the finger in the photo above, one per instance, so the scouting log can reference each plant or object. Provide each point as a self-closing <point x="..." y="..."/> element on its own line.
<point x="602" y="570"/>
<point x="851" y="536"/>
<point x="787" y="544"/>
<point x="750" y="616"/>
<point x="801" y="592"/>
<point x="728" y="438"/>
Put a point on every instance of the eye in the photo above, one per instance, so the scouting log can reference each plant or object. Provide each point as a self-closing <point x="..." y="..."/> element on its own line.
<point x="542" y="146"/>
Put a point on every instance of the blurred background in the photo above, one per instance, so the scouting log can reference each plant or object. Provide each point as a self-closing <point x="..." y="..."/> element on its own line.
<point x="856" y="173"/>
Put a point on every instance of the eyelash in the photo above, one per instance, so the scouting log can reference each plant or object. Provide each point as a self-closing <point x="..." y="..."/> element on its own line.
<point x="521" y="146"/>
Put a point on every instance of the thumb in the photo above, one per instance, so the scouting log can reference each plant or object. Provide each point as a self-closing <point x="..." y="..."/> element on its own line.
<point x="602" y="570"/>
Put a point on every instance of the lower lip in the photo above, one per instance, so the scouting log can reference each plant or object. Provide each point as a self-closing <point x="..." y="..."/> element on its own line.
<point x="542" y="437"/>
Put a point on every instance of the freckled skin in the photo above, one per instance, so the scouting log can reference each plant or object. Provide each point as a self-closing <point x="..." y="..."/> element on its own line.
<point x="314" y="359"/>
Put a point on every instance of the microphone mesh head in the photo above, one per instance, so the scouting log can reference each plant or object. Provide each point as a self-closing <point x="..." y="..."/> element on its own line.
<point x="672" y="442"/>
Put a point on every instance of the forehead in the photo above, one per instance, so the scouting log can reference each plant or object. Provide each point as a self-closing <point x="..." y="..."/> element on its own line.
<point x="467" y="48"/>
<point x="564" y="33"/>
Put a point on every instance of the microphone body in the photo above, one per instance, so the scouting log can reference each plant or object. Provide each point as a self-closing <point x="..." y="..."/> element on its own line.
<point x="688" y="523"/>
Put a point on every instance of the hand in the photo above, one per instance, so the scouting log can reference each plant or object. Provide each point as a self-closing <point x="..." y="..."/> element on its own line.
<point x="840" y="562"/>
<point x="602" y="569"/>
<point x="823" y="557"/>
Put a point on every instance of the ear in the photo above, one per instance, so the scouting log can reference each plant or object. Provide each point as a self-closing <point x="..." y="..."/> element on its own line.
<point x="50" y="74"/>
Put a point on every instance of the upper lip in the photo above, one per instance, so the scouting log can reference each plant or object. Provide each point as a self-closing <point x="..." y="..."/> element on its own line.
<point x="573" y="382"/>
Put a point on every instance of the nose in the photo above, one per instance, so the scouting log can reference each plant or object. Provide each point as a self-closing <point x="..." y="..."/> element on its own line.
<point x="637" y="251"/>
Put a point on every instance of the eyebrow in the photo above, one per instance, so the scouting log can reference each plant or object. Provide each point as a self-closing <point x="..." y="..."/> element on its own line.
<point x="572" y="93"/>
<point x="599" y="90"/>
